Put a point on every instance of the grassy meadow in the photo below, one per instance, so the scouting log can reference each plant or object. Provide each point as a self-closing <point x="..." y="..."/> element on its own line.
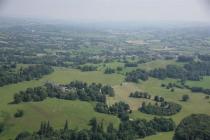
<point x="196" y="104"/>
<point x="205" y="83"/>
<point x="79" y="113"/>
<point x="57" y="111"/>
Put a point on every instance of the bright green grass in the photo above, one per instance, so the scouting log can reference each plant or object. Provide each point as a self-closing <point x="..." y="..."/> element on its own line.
<point x="145" y="66"/>
<point x="122" y="93"/>
<point x="196" y="104"/>
<point x="66" y="75"/>
<point x="57" y="111"/>
<point x="205" y="83"/>
<point x="160" y="136"/>
<point x="79" y="113"/>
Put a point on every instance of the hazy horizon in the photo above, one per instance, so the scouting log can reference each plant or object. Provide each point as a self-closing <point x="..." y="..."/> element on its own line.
<point x="109" y="10"/>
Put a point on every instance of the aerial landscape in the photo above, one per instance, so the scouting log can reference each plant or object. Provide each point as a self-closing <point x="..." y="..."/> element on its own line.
<point x="100" y="80"/>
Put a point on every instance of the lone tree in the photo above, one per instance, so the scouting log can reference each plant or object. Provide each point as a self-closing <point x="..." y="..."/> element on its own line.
<point x="19" y="114"/>
<point x="185" y="98"/>
<point x="66" y="126"/>
<point x="194" y="127"/>
<point x="2" y="126"/>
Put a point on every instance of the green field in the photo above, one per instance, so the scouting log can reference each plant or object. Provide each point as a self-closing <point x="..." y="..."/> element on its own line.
<point x="57" y="111"/>
<point x="64" y="75"/>
<point x="78" y="113"/>
<point x="122" y="93"/>
<point x="158" y="64"/>
<point x="205" y="83"/>
<point x="196" y="104"/>
<point x="145" y="66"/>
<point x="160" y="136"/>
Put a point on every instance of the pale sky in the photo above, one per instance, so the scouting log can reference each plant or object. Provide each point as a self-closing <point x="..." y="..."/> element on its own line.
<point x="108" y="10"/>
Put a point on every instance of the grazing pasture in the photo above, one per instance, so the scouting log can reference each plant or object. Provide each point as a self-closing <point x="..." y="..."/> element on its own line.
<point x="78" y="113"/>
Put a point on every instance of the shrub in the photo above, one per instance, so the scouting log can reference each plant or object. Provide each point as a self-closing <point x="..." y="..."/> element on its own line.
<point x="19" y="114"/>
<point x="185" y="98"/>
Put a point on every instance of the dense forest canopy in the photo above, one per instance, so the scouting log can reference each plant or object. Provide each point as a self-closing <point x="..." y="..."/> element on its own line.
<point x="194" y="127"/>
<point x="161" y="109"/>
<point x="127" y="130"/>
<point x="24" y="74"/>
